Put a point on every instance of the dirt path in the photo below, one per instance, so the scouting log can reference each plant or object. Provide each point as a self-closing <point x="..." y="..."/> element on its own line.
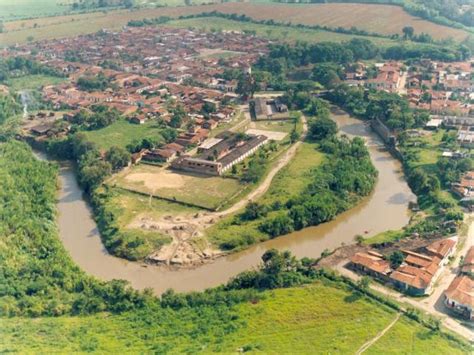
<point x="183" y="231"/>
<point x="433" y="304"/>
<point x="378" y="336"/>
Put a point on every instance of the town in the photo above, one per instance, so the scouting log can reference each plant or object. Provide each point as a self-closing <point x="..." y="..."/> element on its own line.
<point x="224" y="178"/>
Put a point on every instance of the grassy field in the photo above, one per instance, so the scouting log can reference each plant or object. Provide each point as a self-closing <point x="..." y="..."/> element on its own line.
<point x="204" y="191"/>
<point x="317" y="318"/>
<point x="17" y="9"/>
<point x="272" y="32"/>
<point x="375" y="18"/>
<point x="405" y="337"/>
<point x="121" y="133"/>
<point x="289" y="181"/>
<point x="32" y="82"/>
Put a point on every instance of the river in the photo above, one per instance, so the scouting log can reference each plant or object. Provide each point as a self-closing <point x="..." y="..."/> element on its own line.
<point x="386" y="208"/>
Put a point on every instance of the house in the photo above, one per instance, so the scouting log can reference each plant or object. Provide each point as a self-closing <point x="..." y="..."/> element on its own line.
<point x="467" y="266"/>
<point x="465" y="187"/>
<point x="442" y="249"/>
<point x="141" y="119"/>
<point x="459" y="297"/>
<point x="371" y="263"/>
<point x="265" y="109"/>
<point x="417" y="274"/>
<point x="41" y="130"/>
<point x="196" y="165"/>
<point x="161" y="155"/>
<point x="412" y="280"/>
<point x="137" y="157"/>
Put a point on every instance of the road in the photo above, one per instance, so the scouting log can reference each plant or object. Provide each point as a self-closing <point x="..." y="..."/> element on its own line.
<point x="264" y="186"/>
<point x="182" y="232"/>
<point x="432" y="304"/>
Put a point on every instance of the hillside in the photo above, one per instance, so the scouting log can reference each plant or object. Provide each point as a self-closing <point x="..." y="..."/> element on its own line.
<point x="381" y="19"/>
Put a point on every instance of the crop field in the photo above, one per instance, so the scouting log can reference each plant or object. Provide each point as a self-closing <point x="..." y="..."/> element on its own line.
<point x="383" y="19"/>
<point x="286" y="34"/>
<point x="121" y="133"/>
<point x="16" y="9"/>
<point x="203" y="191"/>
<point x="319" y="317"/>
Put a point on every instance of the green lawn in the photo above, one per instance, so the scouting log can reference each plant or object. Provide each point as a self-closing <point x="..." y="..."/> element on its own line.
<point x="318" y="318"/>
<point x="122" y="132"/>
<point x="199" y="190"/>
<point x="33" y="82"/>
<point x="280" y="33"/>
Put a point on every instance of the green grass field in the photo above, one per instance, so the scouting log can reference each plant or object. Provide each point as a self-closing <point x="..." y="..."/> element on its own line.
<point x="204" y="191"/>
<point x="287" y="34"/>
<point x="121" y="133"/>
<point x="33" y="82"/>
<point x="289" y="181"/>
<point x="317" y="318"/>
<point x="19" y="9"/>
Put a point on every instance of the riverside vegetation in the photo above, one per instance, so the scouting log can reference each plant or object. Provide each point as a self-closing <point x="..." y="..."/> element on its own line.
<point x="75" y="312"/>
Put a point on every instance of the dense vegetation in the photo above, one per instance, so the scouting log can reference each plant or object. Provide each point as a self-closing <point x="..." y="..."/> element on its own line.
<point x="8" y="107"/>
<point x="336" y="185"/>
<point x="14" y="67"/>
<point x="37" y="277"/>
<point x="390" y="108"/>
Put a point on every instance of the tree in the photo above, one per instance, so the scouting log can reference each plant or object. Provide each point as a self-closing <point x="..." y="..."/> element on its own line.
<point x="364" y="283"/>
<point x="396" y="259"/>
<point x="118" y="157"/>
<point x="294" y="135"/>
<point x="322" y="128"/>
<point x="253" y="211"/>
<point x="408" y="32"/>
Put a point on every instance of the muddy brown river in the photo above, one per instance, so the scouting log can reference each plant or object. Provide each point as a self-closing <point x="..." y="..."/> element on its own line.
<point x="386" y="208"/>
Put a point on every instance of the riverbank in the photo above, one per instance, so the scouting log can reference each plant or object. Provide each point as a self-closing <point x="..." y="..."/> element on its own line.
<point x="390" y="197"/>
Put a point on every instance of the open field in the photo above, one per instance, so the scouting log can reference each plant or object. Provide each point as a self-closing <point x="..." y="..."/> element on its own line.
<point x="287" y="34"/>
<point x="205" y="191"/>
<point x="383" y="19"/>
<point x="405" y="337"/>
<point x="121" y="133"/>
<point x="16" y="9"/>
<point x="299" y="320"/>
<point x="31" y="82"/>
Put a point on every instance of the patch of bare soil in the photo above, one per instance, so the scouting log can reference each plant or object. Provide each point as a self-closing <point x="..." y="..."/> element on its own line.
<point x="186" y="248"/>
<point x="154" y="181"/>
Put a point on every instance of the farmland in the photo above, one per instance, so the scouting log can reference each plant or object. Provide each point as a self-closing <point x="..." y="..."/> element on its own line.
<point x="280" y="33"/>
<point x="121" y="133"/>
<point x="204" y="191"/>
<point x="382" y="19"/>
<point x="321" y="316"/>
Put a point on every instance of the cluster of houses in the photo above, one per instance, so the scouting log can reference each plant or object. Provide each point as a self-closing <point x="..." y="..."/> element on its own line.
<point x="416" y="274"/>
<point x="459" y="296"/>
<point x="441" y="88"/>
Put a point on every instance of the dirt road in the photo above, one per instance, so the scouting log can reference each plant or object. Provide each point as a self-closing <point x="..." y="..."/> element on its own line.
<point x="184" y="231"/>
<point x="368" y="344"/>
